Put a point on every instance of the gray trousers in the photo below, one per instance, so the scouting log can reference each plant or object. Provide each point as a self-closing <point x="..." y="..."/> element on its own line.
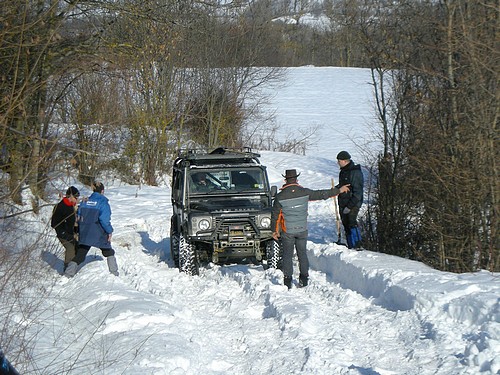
<point x="299" y="242"/>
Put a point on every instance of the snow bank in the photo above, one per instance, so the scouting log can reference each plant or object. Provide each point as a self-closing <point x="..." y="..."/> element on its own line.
<point x="451" y="303"/>
<point x="407" y="286"/>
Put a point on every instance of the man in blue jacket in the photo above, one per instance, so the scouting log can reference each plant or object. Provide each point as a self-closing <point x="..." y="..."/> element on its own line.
<point x="94" y="229"/>
<point x="289" y="221"/>
<point x="350" y="202"/>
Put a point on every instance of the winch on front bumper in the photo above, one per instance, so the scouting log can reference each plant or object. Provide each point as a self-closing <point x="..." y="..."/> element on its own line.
<point x="237" y="238"/>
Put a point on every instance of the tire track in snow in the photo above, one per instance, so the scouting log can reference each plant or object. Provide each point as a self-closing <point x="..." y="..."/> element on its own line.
<point x="295" y="326"/>
<point x="305" y="317"/>
<point x="214" y="314"/>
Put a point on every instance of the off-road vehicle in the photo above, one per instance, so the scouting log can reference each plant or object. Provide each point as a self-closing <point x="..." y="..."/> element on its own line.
<point x="221" y="203"/>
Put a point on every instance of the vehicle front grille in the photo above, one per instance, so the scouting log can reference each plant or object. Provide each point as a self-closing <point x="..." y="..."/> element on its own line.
<point x="236" y="232"/>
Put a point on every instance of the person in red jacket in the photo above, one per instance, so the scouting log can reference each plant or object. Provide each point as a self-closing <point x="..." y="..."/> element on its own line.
<point x="289" y="221"/>
<point x="63" y="221"/>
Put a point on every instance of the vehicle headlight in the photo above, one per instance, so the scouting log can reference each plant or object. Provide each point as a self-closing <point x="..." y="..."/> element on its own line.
<point x="265" y="222"/>
<point x="204" y="224"/>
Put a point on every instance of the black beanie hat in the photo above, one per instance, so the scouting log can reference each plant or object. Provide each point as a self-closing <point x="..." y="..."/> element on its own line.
<point x="72" y="191"/>
<point x="343" y="155"/>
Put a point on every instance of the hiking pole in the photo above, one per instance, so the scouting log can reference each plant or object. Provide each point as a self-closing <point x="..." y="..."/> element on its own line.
<point x="337" y="217"/>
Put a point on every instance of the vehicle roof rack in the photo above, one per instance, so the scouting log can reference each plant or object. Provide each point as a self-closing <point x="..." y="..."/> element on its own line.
<point x="221" y="153"/>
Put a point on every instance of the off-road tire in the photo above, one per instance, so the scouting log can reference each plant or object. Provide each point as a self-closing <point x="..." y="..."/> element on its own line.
<point x="174" y="248"/>
<point x="174" y="242"/>
<point x="274" y="252"/>
<point x="188" y="262"/>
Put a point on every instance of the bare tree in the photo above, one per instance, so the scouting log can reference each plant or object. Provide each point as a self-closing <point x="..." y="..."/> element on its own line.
<point x="438" y="112"/>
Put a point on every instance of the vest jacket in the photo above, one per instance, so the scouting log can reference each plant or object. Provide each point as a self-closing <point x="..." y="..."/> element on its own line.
<point x="290" y="208"/>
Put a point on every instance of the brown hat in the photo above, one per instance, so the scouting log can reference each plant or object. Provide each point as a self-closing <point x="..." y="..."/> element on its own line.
<point x="290" y="173"/>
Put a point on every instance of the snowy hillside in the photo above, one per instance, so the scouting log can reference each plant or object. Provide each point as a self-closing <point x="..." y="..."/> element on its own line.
<point x="336" y="103"/>
<point x="363" y="313"/>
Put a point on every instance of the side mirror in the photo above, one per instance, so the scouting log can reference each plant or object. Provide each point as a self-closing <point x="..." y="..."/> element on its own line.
<point x="274" y="190"/>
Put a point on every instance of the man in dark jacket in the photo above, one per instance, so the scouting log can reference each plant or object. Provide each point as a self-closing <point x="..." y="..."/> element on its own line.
<point x="94" y="229"/>
<point x="63" y="221"/>
<point x="351" y="201"/>
<point x="289" y="221"/>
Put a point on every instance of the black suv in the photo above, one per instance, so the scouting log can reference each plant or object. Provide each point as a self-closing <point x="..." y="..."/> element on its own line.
<point x="221" y="203"/>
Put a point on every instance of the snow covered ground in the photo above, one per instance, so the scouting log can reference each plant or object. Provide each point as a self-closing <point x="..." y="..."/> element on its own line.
<point x="363" y="313"/>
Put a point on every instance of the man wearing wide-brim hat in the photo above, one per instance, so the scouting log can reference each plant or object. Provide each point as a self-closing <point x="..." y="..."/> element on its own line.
<point x="289" y="222"/>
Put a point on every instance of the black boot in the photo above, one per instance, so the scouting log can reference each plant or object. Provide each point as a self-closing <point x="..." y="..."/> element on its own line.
<point x="288" y="281"/>
<point x="303" y="280"/>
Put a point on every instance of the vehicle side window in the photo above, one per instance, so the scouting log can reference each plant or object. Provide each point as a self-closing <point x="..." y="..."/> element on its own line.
<point x="177" y="187"/>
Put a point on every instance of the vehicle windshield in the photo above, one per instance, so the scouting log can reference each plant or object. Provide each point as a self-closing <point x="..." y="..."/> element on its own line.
<point x="202" y="181"/>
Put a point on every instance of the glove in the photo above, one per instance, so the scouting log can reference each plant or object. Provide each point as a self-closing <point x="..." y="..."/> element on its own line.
<point x="346" y="210"/>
